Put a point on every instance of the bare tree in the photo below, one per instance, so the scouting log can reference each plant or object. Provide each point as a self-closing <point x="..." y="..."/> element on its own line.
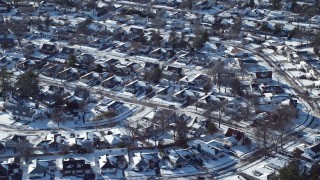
<point x="216" y="107"/>
<point x="57" y="115"/>
<point x="216" y="71"/>
<point x="26" y="150"/>
<point x="163" y="118"/>
<point x="262" y="133"/>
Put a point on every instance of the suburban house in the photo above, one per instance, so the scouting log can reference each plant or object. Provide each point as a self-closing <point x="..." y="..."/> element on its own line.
<point x="197" y="80"/>
<point x="136" y="87"/>
<point x="39" y="168"/>
<point x="10" y="170"/>
<point x="210" y="99"/>
<point x="232" y="134"/>
<point x="176" y="160"/>
<point x="122" y="70"/>
<point x="112" y="161"/>
<point x="166" y="92"/>
<point x="149" y="66"/>
<point x="52" y="141"/>
<point x="270" y="89"/>
<point x="66" y="52"/>
<point x="112" y="82"/>
<point x="91" y="77"/>
<point x="15" y="141"/>
<point x="184" y="95"/>
<point x="261" y="77"/>
<point x="146" y="161"/>
<point x="313" y="150"/>
<point x="172" y="73"/>
<point x="49" y="49"/>
<point x="73" y="166"/>
<point x="69" y="74"/>
<point x="210" y="151"/>
<point x="24" y="113"/>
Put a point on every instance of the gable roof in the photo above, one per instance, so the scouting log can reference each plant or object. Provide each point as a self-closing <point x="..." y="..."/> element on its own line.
<point x="235" y="133"/>
<point x="70" y="164"/>
<point x="315" y="148"/>
<point x="18" y="138"/>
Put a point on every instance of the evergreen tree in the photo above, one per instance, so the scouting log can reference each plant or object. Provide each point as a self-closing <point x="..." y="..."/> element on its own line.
<point x="291" y="171"/>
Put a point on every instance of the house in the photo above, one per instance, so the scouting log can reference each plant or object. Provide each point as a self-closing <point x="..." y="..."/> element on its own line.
<point x="173" y="73"/>
<point x="313" y="150"/>
<point x="116" y="158"/>
<point x="137" y="87"/>
<point x="49" y="49"/>
<point x="176" y="160"/>
<point x="73" y="166"/>
<point x="58" y="90"/>
<point x="39" y="168"/>
<point x="146" y="161"/>
<point x="113" y="140"/>
<point x="28" y="48"/>
<point x="15" y="141"/>
<point x="122" y="70"/>
<point x="85" y="58"/>
<point x="66" y="52"/>
<point x="24" y="113"/>
<point x="270" y="89"/>
<point x="30" y="65"/>
<point x="10" y="170"/>
<point x="149" y="66"/>
<point x="239" y="136"/>
<point x="90" y="78"/>
<point x="261" y="77"/>
<point x="69" y="74"/>
<point x="133" y="66"/>
<point x="110" y="63"/>
<point x="210" y="99"/>
<point x="184" y="95"/>
<point x="207" y="150"/>
<point x="112" y="82"/>
<point x="138" y="48"/>
<point x="197" y="80"/>
<point x="52" y="141"/>
<point x="51" y="70"/>
<point x="166" y="92"/>
<point x="115" y="106"/>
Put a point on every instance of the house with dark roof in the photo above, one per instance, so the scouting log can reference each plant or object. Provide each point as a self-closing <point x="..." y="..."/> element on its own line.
<point x="39" y="168"/>
<point x="112" y="82"/>
<point x="49" y="49"/>
<point x="73" y="166"/>
<point x="239" y="136"/>
<point x="52" y="141"/>
<point x="261" y="77"/>
<point x="184" y="95"/>
<point x="24" y="113"/>
<point x="166" y="92"/>
<point x="313" y="150"/>
<point x="111" y="163"/>
<point x="10" y="170"/>
<point x="149" y="66"/>
<point x="66" y="52"/>
<point x="70" y="74"/>
<point x="15" y="141"/>
<point x="176" y="160"/>
<point x="136" y="87"/>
